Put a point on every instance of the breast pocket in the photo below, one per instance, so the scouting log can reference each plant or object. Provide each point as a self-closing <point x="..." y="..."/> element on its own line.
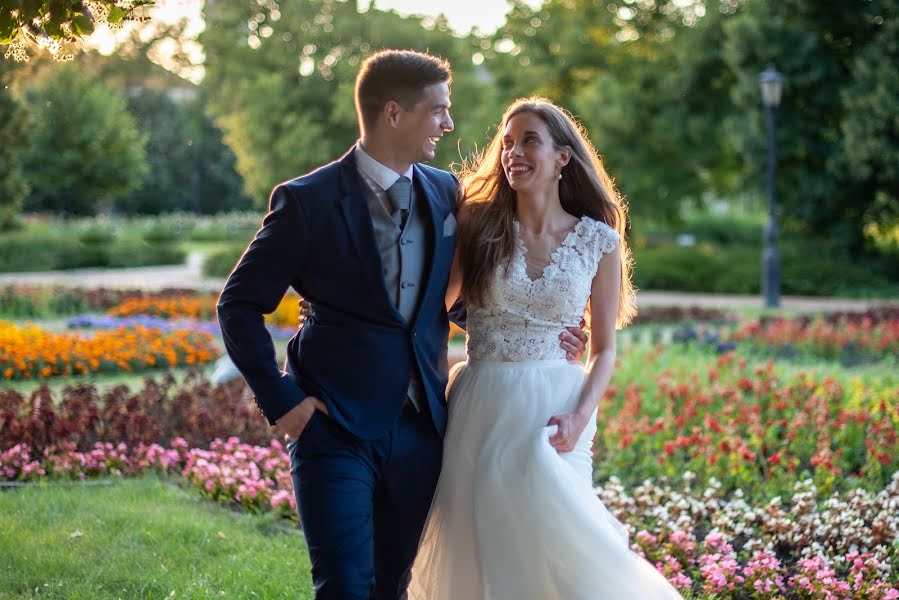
<point x="449" y="226"/>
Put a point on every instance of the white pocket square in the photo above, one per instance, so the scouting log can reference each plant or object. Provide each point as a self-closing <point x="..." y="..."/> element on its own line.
<point x="449" y="225"/>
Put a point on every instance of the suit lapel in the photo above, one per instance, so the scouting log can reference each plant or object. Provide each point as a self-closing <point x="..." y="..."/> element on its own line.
<point x="355" y="211"/>
<point x="431" y="195"/>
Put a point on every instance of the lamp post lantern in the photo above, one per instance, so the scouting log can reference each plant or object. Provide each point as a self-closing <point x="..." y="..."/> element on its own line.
<point x="771" y="83"/>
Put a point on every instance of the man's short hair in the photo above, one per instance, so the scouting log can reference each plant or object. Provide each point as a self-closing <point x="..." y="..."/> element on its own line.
<point x="399" y="75"/>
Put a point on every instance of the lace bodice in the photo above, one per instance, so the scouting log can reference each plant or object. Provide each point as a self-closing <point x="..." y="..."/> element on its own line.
<point x="522" y="318"/>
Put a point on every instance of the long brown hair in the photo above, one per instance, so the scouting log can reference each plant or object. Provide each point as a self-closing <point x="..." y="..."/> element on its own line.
<point x="486" y="233"/>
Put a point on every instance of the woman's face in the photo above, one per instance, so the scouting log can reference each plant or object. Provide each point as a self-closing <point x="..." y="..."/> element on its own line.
<point x="529" y="157"/>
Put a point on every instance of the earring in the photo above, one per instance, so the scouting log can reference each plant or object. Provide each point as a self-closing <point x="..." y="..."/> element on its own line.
<point x="560" y="175"/>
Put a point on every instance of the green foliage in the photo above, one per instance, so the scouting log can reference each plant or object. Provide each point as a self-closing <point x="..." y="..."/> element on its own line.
<point x="86" y="149"/>
<point x="58" y="26"/>
<point x="668" y="91"/>
<point x="701" y="268"/>
<point x="645" y="86"/>
<point x="50" y="244"/>
<point x="13" y="188"/>
<point x="190" y="168"/>
<point x="221" y="262"/>
<point x="284" y="83"/>
<point x="809" y="267"/>
<point x="30" y="252"/>
<point x="831" y="58"/>
<point x="871" y="125"/>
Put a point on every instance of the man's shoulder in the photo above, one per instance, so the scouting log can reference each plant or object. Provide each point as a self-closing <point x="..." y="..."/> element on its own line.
<point x="322" y="176"/>
<point x="438" y="176"/>
<point x="312" y="188"/>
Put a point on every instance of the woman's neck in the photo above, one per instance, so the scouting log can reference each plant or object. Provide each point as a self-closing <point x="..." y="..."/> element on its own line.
<point x="541" y="213"/>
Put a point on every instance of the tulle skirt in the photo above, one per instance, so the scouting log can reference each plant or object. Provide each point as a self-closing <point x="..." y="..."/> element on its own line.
<point x="512" y="519"/>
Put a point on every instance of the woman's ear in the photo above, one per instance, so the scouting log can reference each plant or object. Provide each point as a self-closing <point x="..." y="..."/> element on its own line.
<point x="564" y="156"/>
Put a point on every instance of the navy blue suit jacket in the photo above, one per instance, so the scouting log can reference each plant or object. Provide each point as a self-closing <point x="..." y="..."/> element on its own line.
<point x="357" y="352"/>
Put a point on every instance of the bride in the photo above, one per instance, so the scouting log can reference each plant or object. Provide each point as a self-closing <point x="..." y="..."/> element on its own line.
<point x="515" y="516"/>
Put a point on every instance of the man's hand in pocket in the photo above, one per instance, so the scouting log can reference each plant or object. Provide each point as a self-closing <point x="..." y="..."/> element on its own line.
<point x="294" y="422"/>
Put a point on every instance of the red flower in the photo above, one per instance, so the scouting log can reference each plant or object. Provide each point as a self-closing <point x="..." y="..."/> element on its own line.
<point x="669" y="447"/>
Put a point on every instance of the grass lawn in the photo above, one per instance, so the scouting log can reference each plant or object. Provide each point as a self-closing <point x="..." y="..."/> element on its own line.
<point x="143" y="538"/>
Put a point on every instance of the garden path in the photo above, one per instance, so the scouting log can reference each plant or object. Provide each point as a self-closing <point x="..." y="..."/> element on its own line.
<point x="189" y="275"/>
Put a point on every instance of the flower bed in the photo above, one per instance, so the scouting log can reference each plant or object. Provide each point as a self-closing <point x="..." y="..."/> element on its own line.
<point x="702" y="540"/>
<point x="28" y="352"/>
<point x="748" y="427"/>
<point x="187" y="306"/>
<point x="851" y="336"/>
<point x="31" y="301"/>
<point x="162" y="409"/>
<point x="287" y="315"/>
<point x="88" y="321"/>
<point x="678" y="314"/>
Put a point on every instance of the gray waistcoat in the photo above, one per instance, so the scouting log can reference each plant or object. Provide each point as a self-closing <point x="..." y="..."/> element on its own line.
<point x="403" y="257"/>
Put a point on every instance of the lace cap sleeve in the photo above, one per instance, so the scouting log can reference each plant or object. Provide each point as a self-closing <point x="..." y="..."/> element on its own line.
<point x="600" y="238"/>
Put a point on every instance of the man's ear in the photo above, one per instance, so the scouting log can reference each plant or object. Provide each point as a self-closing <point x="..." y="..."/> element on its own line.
<point x="391" y="111"/>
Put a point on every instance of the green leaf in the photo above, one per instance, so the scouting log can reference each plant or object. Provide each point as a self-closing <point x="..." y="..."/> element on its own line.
<point x="82" y="25"/>
<point x="8" y="35"/>
<point x="54" y="29"/>
<point x="31" y="9"/>
<point x="116" y="14"/>
<point x="9" y="27"/>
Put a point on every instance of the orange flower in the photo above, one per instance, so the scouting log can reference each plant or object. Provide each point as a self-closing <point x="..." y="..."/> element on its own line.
<point x="29" y="351"/>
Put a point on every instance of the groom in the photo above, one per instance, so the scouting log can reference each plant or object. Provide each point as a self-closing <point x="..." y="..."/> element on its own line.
<point x="368" y="241"/>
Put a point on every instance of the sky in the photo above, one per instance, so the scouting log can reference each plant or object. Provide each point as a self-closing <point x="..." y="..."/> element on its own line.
<point x="462" y="15"/>
<point x="486" y="15"/>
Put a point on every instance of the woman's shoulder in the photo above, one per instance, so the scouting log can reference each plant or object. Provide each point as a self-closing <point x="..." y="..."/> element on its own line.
<point x="598" y="232"/>
<point x="589" y="225"/>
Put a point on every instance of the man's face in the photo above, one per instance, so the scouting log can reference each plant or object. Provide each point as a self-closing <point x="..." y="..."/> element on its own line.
<point x="420" y="126"/>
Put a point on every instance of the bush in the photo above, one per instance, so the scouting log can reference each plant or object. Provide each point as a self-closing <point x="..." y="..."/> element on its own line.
<point x="97" y="235"/>
<point x="808" y="268"/>
<point x="140" y="254"/>
<point x="28" y="253"/>
<point x="702" y="268"/>
<point x="221" y="262"/>
<point x="726" y="230"/>
<point x="48" y="253"/>
<point x="158" y="234"/>
<point x="225" y="227"/>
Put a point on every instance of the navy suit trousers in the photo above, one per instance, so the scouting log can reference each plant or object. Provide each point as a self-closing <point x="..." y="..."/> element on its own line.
<point x="363" y="503"/>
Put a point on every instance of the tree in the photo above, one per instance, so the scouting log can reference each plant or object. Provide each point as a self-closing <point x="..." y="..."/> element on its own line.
<point x="824" y="51"/>
<point x="86" y="149"/>
<point x="870" y="145"/>
<point x="13" y="143"/>
<point x="190" y="168"/>
<point x="641" y="78"/>
<point x="57" y="25"/>
<point x="283" y="75"/>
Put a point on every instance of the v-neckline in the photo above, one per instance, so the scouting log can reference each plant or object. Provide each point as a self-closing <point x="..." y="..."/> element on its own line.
<point x="553" y="257"/>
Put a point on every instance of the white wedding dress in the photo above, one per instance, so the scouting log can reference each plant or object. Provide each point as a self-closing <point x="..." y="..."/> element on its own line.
<point x="512" y="519"/>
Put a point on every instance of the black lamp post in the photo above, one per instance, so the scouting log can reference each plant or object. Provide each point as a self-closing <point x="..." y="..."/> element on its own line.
<point x="771" y="82"/>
